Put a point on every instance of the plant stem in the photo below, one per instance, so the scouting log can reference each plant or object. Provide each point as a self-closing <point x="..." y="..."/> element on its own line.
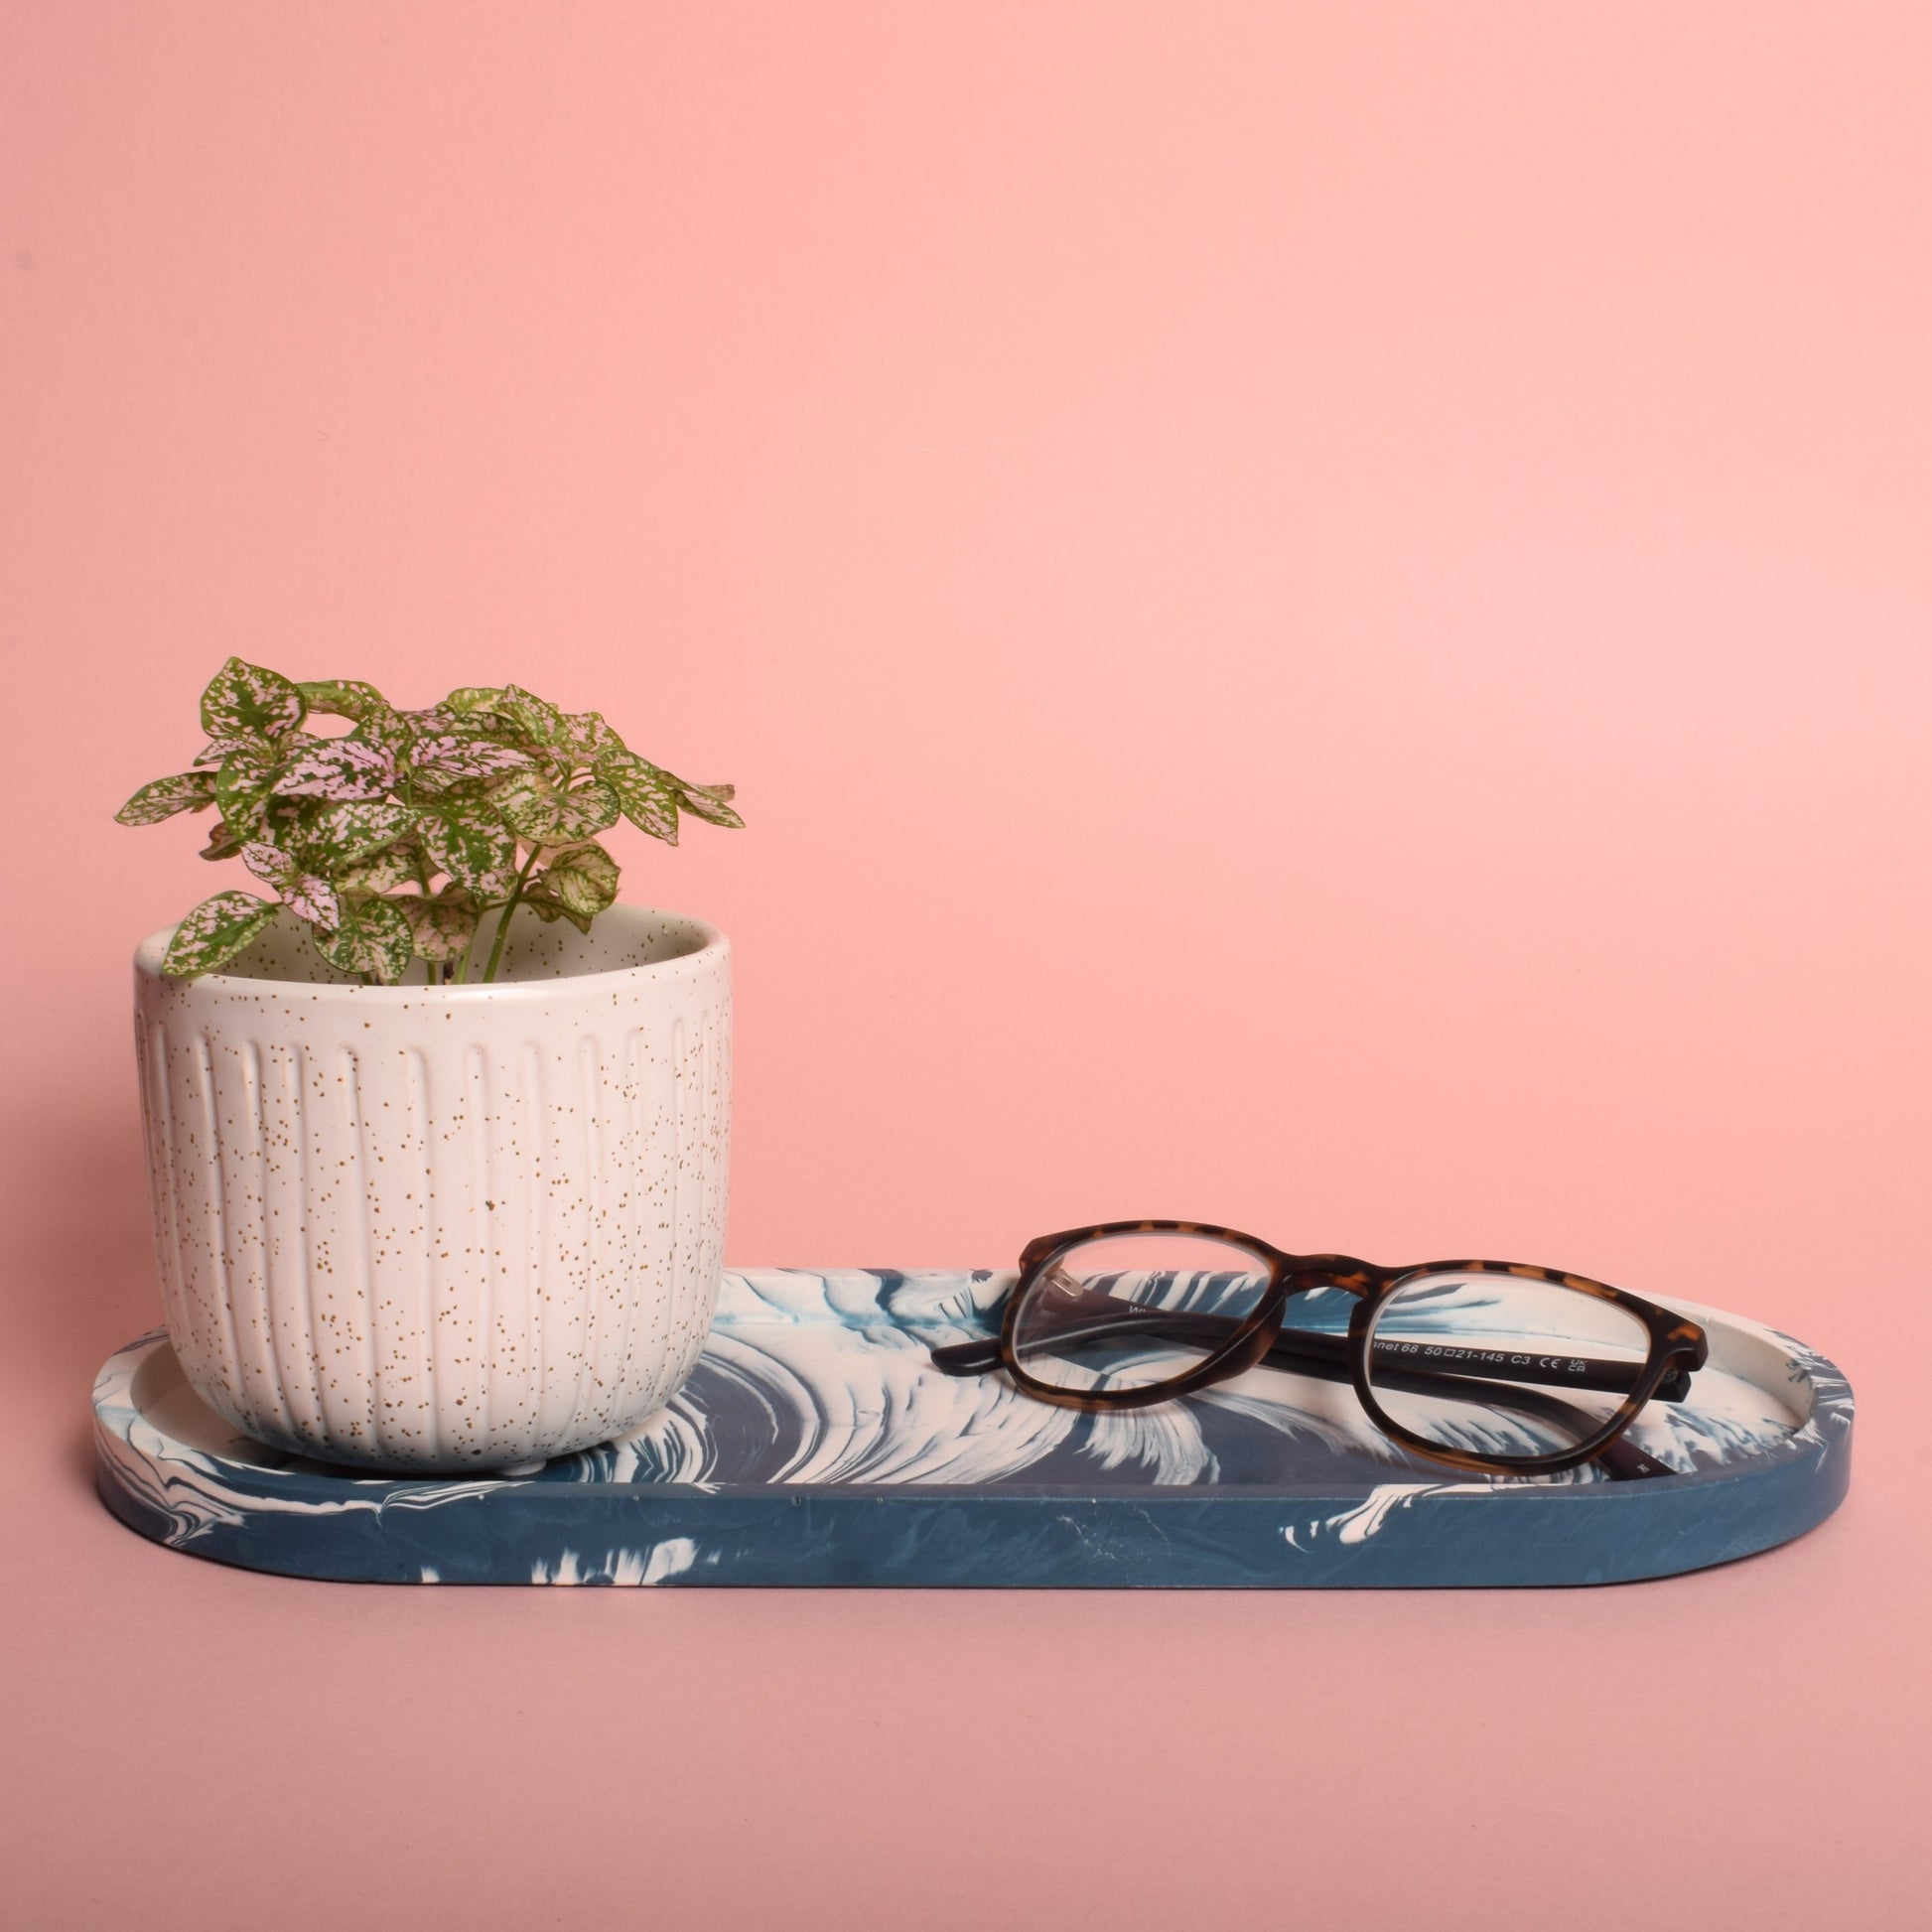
<point x="510" y="904"/>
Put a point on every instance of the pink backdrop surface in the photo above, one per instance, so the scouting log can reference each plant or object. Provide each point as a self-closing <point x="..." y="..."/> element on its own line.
<point x="1324" y="618"/>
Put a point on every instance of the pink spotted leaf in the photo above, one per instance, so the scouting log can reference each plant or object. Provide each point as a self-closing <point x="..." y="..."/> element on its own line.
<point x="343" y="697"/>
<point x="373" y="937"/>
<point x="187" y="791"/>
<point x="244" y="701"/>
<point x="548" y="814"/>
<point x="451" y="756"/>
<point x="582" y="876"/>
<point x="339" y="768"/>
<point x="217" y="929"/>
<point x="441" y="924"/>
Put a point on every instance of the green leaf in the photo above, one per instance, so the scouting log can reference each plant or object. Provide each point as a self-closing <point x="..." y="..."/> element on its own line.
<point x="430" y="790"/>
<point x="221" y="842"/>
<point x="395" y="865"/>
<point x="343" y="697"/>
<point x="373" y="937"/>
<point x="465" y="838"/>
<point x="269" y="863"/>
<point x="650" y="797"/>
<point x="187" y="791"/>
<point x="442" y="925"/>
<point x="332" y="836"/>
<point x="582" y="876"/>
<point x="451" y="756"/>
<point x="282" y="819"/>
<point x="390" y="731"/>
<point x="540" y="812"/>
<point x="712" y="804"/>
<point x="340" y="767"/>
<point x="308" y="895"/>
<point x="549" y="906"/>
<point x="217" y="929"/>
<point x="242" y="785"/>
<point x="535" y="719"/>
<point x="218" y="750"/>
<point x="438" y="718"/>
<point x="247" y="701"/>
<point x="473" y="697"/>
<point x="588" y="738"/>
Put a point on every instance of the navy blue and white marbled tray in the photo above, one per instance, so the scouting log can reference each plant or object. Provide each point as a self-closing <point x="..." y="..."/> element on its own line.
<point x="816" y="1445"/>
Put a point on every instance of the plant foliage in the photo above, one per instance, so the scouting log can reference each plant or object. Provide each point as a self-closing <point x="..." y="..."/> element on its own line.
<point x="393" y="840"/>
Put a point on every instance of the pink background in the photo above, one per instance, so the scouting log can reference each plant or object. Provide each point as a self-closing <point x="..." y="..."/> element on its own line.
<point x="1321" y="617"/>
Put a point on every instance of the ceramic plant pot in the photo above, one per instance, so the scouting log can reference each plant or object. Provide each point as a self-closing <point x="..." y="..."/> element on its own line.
<point x="435" y="1229"/>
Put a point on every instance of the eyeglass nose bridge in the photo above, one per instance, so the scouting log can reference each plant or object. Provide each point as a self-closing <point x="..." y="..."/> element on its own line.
<point x="1345" y="1271"/>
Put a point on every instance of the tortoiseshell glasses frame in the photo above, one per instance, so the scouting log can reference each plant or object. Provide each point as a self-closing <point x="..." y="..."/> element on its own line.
<point x="1677" y="1348"/>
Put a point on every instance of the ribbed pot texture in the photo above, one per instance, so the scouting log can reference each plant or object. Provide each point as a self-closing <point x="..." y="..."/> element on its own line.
<point x="436" y="1230"/>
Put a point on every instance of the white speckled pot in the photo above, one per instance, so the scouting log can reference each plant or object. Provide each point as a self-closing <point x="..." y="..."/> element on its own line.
<point x="446" y="1228"/>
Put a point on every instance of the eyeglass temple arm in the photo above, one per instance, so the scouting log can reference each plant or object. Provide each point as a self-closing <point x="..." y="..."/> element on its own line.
<point x="1623" y="1459"/>
<point x="1304" y="1348"/>
<point x="1433" y="1362"/>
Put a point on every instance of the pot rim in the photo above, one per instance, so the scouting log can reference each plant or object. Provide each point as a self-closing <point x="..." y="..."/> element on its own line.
<point x="711" y="945"/>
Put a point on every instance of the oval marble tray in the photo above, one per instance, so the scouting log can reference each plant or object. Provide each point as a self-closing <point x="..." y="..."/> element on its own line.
<point x="816" y="1445"/>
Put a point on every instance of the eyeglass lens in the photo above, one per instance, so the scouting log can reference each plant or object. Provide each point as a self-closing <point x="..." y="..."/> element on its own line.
<point x="1126" y="1311"/>
<point x="1501" y="1366"/>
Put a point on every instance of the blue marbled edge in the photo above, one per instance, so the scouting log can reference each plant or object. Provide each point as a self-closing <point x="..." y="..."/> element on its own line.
<point x="611" y="1516"/>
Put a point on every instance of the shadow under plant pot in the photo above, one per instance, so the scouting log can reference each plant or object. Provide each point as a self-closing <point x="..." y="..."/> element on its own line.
<point x="436" y="1230"/>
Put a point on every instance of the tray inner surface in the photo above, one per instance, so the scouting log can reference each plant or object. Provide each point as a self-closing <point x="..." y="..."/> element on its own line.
<point x="823" y="1377"/>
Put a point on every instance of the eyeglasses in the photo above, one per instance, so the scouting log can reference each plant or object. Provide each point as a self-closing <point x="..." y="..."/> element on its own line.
<point x="1485" y="1365"/>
